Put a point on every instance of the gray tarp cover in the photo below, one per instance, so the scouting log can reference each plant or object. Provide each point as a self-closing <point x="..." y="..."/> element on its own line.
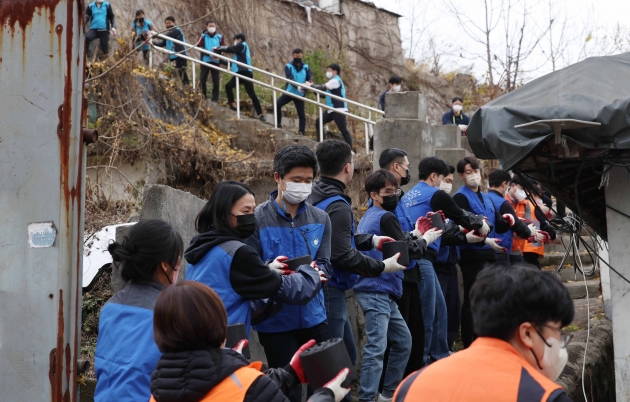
<point x="596" y="90"/>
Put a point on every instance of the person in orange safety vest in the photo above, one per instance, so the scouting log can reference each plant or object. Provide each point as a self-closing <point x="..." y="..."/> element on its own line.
<point x="190" y="329"/>
<point x="519" y="312"/>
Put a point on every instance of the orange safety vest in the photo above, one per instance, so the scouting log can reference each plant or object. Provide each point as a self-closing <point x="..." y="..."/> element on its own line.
<point x="233" y="387"/>
<point x="489" y="370"/>
<point x="525" y="209"/>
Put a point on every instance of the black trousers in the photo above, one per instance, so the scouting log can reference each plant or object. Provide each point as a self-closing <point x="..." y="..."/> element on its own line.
<point x="299" y="106"/>
<point x="102" y="36"/>
<point x="340" y="121"/>
<point x="216" y="82"/>
<point x="470" y="269"/>
<point x="450" y="289"/>
<point x="532" y="258"/>
<point x="249" y="87"/>
<point x="281" y="346"/>
<point x="180" y="66"/>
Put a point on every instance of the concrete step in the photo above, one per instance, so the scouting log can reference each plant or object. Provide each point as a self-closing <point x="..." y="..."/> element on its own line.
<point x="578" y="291"/>
<point x="561" y="248"/>
<point x="555" y="258"/>
<point x="570" y="275"/>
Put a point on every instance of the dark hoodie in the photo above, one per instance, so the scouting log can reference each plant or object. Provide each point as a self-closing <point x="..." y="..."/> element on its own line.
<point x="343" y="256"/>
<point x="188" y="376"/>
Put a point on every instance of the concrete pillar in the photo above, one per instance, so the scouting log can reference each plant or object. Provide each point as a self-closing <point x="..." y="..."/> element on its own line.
<point x="446" y="136"/>
<point x="404" y="127"/>
<point x="619" y="251"/>
<point x="604" y="273"/>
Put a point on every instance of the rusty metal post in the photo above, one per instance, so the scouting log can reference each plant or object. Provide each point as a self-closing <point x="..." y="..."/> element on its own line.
<point x="42" y="180"/>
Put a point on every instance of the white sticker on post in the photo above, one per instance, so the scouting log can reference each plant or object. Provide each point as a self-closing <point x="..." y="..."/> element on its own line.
<point x="41" y="234"/>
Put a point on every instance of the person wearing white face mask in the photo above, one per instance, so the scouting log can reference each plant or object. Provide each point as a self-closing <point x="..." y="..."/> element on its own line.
<point x="334" y="86"/>
<point x="209" y="40"/>
<point x="286" y="225"/>
<point x="499" y="182"/>
<point x="519" y="313"/>
<point x="473" y="257"/>
<point x="426" y="197"/>
<point x="395" y="85"/>
<point x="456" y="116"/>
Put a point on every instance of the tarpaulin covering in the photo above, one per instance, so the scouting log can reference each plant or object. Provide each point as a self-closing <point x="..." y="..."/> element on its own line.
<point x="594" y="90"/>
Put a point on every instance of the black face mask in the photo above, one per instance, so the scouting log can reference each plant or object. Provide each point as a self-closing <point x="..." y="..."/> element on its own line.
<point x="245" y="225"/>
<point x="406" y="179"/>
<point x="297" y="62"/>
<point x="390" y="202"/>
<point x="141" y="20"/>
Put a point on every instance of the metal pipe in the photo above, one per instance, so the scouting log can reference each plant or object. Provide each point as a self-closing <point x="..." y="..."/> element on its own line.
<point x="90" y="136"/>
<point x="265" y="85"/>
<point x="219" y="56"/>
<point x="275" y="110"/>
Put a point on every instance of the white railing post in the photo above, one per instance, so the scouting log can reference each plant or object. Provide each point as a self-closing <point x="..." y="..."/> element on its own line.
<point x="238" y="98"/>
<point x="367" y="134"/>
<point x="193" y="76"/>
<point x="275" y="111"/>
<point x="321" y="121"/>
<point x="151" y="58"/>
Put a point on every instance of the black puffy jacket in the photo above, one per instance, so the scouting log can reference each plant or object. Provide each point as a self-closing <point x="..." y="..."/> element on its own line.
<point x="188" y="376"/>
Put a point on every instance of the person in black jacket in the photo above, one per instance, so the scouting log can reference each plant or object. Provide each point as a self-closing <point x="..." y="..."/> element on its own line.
<point x="337" y="168"/>
<point x="219" y="258"/>
<point x="177" y="34"/>
<point x="190" y="329"/>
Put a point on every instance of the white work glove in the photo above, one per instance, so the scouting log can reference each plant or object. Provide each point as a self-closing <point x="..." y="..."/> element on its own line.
<point x="471" y="237"/>
<point x="278" y="266"/>
<point x="377" y="241"/>
<point x="335" y="385"/>
<point x="392" y="265"/>
<point x="532" y="229"/>
<point x="307" y="84"/>
<point x="494" y="244"/>
<point x="322" y="275"/>
<point x="431" y="235"/>
<point x="462" y="127"/>
<point x="114" y="31"/>
<point x="485" y="229"/>
<point x="540" y="236"/>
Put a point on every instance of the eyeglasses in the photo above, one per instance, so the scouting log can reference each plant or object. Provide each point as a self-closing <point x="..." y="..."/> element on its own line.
<point x="398" y="193"/>
<point x="565" y="337"/>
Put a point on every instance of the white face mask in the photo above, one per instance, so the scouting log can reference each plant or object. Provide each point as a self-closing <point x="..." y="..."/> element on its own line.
<point x="520" y="195"/>
<point x="212" y="30"/>
<point x="329" y="74"/>
<point x="473" y="180"/>
<point x="447" y="187"/>
<point x="458" y="108"/>
<point x="297" y="192"/>
<point x="396" y="88"/>
<point x="554" y="359"/>
<point x="235" y="42"/>
<point x="99" y="1"/>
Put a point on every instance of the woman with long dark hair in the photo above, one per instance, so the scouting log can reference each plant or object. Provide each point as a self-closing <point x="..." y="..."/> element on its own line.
<point x="219" y="258"/>
<point x="150" y="257"/>
<point x="190" y="327"/>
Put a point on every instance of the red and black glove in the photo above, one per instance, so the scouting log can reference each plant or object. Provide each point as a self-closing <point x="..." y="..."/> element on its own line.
<point x="279" y="267"/>
<point x="296" y="363"/>
<point x="423" y="224"/>
<point x="378" y="241"/>
<point x="242" y="344"/>
<point x="322" y="275"/>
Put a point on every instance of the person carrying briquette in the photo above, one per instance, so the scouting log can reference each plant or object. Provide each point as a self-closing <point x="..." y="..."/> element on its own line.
<point x="219" y="258"/>
<point x="241" y="53"/>
<point x="299" y="72"/>
<point x="335" y="86"/>
<point x="190" y="329"/>
<point x="288" y="227"/>
<point x="100" y="16"/>
<point x="377" y="296"/>
<point x="210" y="39"/>
<point x="149" y="258"/>
<point x="456" y="116"/>
<point x="177" y="34"/>
<point x="141" y="33"/>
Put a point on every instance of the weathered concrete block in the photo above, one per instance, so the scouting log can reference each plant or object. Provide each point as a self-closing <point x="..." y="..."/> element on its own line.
<point x="452" y="156"/>
<point x="446" y="136"/>
<point x="406" y="105"/>
<point x="466" y="145"/>
<point x="412" y="136"/>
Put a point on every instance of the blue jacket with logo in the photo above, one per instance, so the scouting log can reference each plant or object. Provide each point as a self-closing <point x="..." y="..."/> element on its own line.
<point x="388" y="282"/>
<point x="507" y="237"/>
<point x="484" y="207"/>
<point x="279" y="234"/>
<point x="126" y="353"/>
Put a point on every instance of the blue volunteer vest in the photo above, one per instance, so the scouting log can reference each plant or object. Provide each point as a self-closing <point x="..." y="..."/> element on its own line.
<point x="298" y="76"/>
<point x="485" y="208"/>
<point x="139" y="30"/>
<point x="214" y="270"/>
<point x="390" y="283"/>
<point x="341" y="280"/>
<point x="209" y="43"/>
<point x="243" y="57"/>
<point x="170" y="45"/>
<point x="417" y="202"/>
<point x="99" y="15"/>
<point x="341" y="91"/>
<point x="507" y="237"/>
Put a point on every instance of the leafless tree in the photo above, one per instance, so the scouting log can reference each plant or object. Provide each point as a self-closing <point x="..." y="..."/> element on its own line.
<point x="414" y="16"/>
